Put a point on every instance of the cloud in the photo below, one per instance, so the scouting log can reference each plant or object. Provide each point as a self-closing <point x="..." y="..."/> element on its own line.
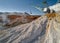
<point x="55" y="7"/>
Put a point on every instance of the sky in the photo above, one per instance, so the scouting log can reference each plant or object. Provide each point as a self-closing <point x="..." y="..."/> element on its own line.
<point x="23" y="5"/>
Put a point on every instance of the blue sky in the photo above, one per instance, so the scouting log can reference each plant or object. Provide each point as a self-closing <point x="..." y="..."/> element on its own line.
<point x="23" y="5"/>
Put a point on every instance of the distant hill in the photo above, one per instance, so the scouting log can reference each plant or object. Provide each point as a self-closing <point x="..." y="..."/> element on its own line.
<point x="10" y="13"/>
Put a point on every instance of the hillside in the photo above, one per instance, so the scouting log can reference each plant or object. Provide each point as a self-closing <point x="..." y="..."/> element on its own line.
<point x="45" y="29"/>
<point x="18" y="19"/>
<point x="10" y="19"/>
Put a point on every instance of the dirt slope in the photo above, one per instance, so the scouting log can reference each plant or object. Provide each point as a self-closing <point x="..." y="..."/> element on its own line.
<point x="17" y="20"/>
<point x="45" y="29"/>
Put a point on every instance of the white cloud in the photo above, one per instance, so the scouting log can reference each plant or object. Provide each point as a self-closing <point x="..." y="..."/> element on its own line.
<point x="55" y="7"/>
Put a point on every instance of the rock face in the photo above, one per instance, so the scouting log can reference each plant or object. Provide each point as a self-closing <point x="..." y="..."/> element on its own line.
<point x="45" y="29"/>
